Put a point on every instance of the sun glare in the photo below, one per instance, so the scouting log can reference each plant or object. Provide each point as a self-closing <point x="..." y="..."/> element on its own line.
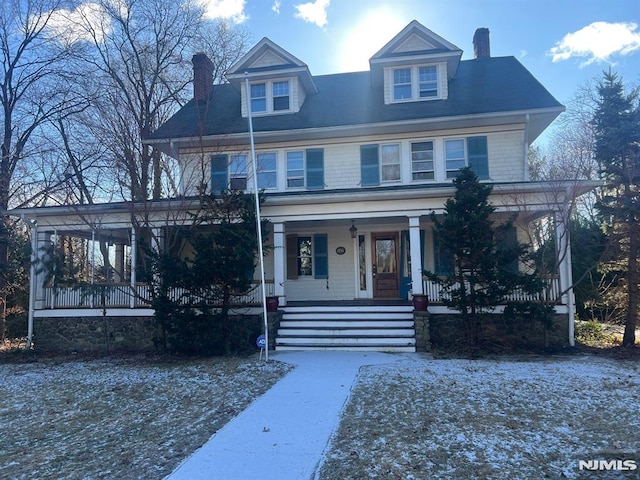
<point x="368" y="36"/>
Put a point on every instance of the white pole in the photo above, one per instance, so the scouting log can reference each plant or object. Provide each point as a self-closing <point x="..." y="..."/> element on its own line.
<point x="254" y="169"/>
<point x="32" y="281"/>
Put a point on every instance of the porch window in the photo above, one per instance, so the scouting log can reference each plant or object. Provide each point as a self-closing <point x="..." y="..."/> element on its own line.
<point x="422" y="161"/>
<point x="258" y="98"/>
<point x="267" y="170"/>
<point x="307" y="256"/>
<point x="471" y="152"/>
<point x="280" y="96"/>
<point x="305" y="168"/>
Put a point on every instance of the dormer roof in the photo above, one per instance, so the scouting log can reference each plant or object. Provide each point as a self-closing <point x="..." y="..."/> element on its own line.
<point x="415" y="44"/>
<point x="267" y="60"/>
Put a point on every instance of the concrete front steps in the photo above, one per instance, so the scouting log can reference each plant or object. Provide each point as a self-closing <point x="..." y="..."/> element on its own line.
<point x="379" y="328"/>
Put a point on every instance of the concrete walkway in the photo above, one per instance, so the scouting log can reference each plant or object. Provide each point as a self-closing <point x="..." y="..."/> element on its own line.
<point x="283" y="433"/>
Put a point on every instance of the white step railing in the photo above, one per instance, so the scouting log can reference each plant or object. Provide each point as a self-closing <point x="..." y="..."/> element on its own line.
<point x="551" y="293"/>
<point x="121" y="296"/>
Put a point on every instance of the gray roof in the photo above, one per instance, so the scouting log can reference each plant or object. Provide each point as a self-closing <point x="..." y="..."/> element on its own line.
<point x="480" y="86"/>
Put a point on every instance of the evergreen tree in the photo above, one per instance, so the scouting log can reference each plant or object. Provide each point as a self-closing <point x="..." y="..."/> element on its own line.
<point x="485" y="256"/>
<point x="617" y="131"/>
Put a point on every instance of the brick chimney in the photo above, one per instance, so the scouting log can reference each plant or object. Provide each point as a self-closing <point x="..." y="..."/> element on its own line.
<point x="202" y="76"/>
<point x="481" y="45"/>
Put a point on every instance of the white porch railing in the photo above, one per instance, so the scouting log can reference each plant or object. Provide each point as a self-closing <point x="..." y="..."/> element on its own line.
<point x="435" y="293"/>
<point x="120" y="296"/>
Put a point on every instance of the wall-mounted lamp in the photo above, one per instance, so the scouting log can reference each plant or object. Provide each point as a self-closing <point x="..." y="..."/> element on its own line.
<point x="353" y="230"/>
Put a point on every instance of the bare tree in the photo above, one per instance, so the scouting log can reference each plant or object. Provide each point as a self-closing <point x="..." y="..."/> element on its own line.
<point x="35" y="87"/>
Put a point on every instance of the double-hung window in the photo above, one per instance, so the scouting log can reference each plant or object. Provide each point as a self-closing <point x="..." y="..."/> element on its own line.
<point x="463" y="152"/>
<point x="422" y="167"/>
<point x="238" y="172"/>
<point x="258" y="98"/>
<point x="305" y="168"/>
<point x="428" y="81"/>
<point x="415" y="83"/>
<point x="402" y="84"/>
<point x="267" y="170"/>
<point x="379" y="163"/>
<point x="307" y="256"/>
<point x="280" y="95"/>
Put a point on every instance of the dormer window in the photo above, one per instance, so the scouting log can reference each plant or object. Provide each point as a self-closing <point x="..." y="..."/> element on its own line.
<point x="258" y="98"/>
<point x="271" y="96"/>
<point x="280" y="96"/>
<point x="415" y="83"/>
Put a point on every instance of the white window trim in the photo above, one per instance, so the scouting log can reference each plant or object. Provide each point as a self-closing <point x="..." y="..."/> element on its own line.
<point x="269" y="97"/>
<point x="380" y="164"/>
<point x="435" y="160"/>
<point x="444" y="155"/>
<point x="267" y="152"/>
<point x="415" y="83"/>
<point x="304" y="169"/>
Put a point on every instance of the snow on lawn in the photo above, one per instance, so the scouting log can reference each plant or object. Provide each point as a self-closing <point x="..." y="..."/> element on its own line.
<point x="124" y="418"/>
<point x="490" y="419"/>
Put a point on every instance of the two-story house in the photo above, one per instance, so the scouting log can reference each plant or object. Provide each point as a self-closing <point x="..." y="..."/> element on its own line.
<point x="352" y="165"/>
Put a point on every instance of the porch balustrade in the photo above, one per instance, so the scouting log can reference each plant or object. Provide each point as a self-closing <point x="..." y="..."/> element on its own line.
<point x="119" y="296"/>
<point x="550" y="294"/>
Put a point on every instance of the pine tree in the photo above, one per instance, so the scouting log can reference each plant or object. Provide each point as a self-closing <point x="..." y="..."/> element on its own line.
<point x="484" y="258"/>
<point x="617" y="133"/>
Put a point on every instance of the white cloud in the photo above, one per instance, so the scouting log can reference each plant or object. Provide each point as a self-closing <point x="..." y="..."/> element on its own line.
<point x="87" y="22"/>
<point x="229" y="9"/>
<point x="313" y="12"/>
<point x="598" y="42"/>
<point x="276" y="7"/>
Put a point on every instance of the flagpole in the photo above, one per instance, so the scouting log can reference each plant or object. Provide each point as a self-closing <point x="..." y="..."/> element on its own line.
<point x="258" y="219"/>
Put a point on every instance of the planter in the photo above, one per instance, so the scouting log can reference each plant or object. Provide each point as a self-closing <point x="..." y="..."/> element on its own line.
<point x="420" y="302"/>
<point x="272" y="304"/>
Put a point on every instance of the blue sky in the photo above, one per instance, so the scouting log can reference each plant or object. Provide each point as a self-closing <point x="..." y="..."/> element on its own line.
<point x="332" y="36"/>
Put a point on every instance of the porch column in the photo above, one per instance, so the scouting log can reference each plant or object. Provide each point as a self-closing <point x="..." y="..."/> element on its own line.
<point x="279" y="264"/>
<point x="43" y="239"/>
<point x="416" y="255"/>
<point x="134" y="259"/>
<point x="119" y="263"/>
<point x="563" y="247"/>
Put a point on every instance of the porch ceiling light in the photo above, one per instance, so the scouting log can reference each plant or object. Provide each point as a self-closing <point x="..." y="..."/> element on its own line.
<point x="353" y="230"/>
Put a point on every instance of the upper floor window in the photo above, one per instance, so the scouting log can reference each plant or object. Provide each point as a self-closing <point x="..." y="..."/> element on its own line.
<point x="270" y="96"/>
<point x="463" y="152"/>
<point x="305" y="168"/>
<point x="267" y="170"/>
<point x="379" y="163"/>
<point x="280" y="96"/>
<point x="428" y="81"/>
<point x="415" y="83"/>
<point x="258" y="98"/>
<point x="402" y="83"/>
<point x="422" y="167"/>
<point x="238" y="172"/>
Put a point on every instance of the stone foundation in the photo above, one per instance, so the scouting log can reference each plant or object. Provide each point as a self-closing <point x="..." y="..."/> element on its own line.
<point x="421" y="326"/>
<point x="447" y="331"/>
<point x="94" y="334"/>
<point x="106" y="334"/>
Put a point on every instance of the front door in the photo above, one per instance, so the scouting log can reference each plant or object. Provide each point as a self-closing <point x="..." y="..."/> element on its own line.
<point x="385" y="265"/>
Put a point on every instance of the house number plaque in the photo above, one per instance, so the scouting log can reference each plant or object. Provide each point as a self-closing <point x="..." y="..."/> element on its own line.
<point x="341" y="250"/>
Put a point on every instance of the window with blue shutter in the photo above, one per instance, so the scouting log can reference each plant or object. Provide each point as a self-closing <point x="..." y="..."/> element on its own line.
<point x="219" y="174"/>
<point x="478" y="156"/>
<point x="315" y="168"/>
<point x="321" y="255"/>
<point x="369" y="167"/>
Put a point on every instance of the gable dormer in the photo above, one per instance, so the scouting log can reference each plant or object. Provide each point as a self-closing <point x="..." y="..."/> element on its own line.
<point x="278" y="81"/>
<point x="415" y="65"/>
